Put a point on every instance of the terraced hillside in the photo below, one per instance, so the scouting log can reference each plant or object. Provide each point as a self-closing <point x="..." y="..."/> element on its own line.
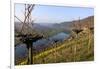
<point x="80" y="48"/>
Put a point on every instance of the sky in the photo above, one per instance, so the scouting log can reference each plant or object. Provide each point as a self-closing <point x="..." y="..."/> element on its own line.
<point x="54" y="14"/>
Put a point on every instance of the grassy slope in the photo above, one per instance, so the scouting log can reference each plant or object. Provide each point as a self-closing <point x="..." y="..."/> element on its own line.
<point x="78" y="49"/>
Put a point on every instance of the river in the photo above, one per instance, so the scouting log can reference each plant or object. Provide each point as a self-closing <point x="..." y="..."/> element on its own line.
<point x="21" y="50"/>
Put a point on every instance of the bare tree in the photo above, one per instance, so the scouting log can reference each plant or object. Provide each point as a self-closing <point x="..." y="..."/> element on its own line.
<point x="27" y="32"/>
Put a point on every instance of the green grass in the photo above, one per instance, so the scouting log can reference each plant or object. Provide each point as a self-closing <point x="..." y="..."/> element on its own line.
<point x="76" y="50"/>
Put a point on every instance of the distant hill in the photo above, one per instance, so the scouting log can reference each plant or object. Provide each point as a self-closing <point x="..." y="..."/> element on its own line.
<point x="89" y="21"/>
<point x="58" y="27"/>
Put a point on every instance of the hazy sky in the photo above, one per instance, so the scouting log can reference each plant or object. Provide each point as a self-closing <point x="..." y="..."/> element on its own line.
<point x="54" y="14"/>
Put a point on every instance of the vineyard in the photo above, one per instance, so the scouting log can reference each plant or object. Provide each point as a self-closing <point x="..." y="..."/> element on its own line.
<point x="74" y="50"/>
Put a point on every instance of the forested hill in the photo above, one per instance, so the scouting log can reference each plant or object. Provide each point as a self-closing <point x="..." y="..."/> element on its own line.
<point x="63" y="26"/>
<point x="85" y="21"/>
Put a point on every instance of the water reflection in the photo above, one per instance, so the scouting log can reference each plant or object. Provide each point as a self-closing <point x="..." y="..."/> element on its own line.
<point x="21" y="50"/>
